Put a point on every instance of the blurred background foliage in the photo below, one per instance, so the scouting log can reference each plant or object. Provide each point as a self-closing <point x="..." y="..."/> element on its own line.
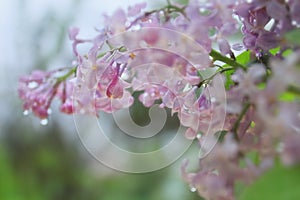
<point x="44" y="166"/>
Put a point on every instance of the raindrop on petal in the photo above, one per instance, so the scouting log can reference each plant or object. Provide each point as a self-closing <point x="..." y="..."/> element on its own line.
<point x="199" y="136"/>
<point x="136" y="27"/>
<point x="33" y="85"/>
<point x="193" y="189"/>
<point x="26" y="112"/>
<point x="44" y="122"/>
<point x="294" y="23"/>
<point x="213" y="99"/>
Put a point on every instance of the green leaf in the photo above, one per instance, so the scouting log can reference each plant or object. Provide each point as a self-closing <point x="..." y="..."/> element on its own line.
<point x="274" y="51"/>
<point x="287" y="97"/>
<point x="277" y="184"/>
<point x="287" y="52"/>
<point x="228" y="82"/>
<point x="293" y="36"/>
<point x="243" y="58"/>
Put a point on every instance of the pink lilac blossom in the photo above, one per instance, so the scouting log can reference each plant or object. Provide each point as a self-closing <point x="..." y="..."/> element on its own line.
<point x="143" y="52"/>
<point x="37" y="91"/>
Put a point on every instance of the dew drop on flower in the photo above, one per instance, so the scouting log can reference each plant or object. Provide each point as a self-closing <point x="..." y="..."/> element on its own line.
<point x="185" y="108"/>
<point x="187" y="87"/>
<point x="33" y="85"/>
<point x="74" y="63"/>
<point x="126" y="75"/>
<point x="127" y="24"/>
<point x="204" y="11"/>
<point x="44" y="122"/>
<point x="199" y="136"/>
<point x="294" y="23"/>
<point x="213" y="99"/>
<point x="26" y="112"/>
<point x="136" y="27"/>
<point x="49" y="111"/>
<point x="193" y="189"/>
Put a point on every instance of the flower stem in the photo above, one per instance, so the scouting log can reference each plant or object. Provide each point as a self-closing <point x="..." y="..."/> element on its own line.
<point x="293" y="89"/>
<point x="64" y="77"/>
<point x="207" y="80"/>
<point x="238" y="121"/>
<point x="218" y="56"/>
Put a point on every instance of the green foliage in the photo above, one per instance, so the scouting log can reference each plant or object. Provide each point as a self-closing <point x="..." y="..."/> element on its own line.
<point x="43" y="166"/>
<point x="9" y="187"/>
<point x="277" y="184"/>
<point x="275" y="50"/>
<point x="287" y="97"/>
<point x="243" y="59"/>
<point x="293" y="36"/>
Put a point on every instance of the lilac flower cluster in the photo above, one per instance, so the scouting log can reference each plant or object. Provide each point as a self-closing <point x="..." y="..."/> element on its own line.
<point x="134" y="51"/>
<point x="266" y="22"/>
<point x="267" y="127"/>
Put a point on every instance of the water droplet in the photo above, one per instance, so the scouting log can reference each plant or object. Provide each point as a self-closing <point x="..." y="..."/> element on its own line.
<point x="179" y="83"/>
<point x="193" y="189"/>
<point x="32" y="85"/>
<point x="187" y="87"/>
<point x="44" y="122"/>
<point x="204" y="11"/>
<point x="74" y="63"/>
<point x="185" y="108"/>
<point x="136" y="27"/>
<point x="126" y="75"/>
<point x="294" y="23"/>
<point x="199" y="136"/>
<point x="213" y="99"/>
<point x="26" y="112"/>
<point x="49" y="111"/>
<point x="127" y="24"/>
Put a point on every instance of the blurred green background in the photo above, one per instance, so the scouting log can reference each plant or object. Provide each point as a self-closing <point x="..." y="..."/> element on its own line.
<point x="44" y="166"/>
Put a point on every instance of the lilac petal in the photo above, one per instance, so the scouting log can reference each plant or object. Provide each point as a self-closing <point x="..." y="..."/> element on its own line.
<point x="136" y="9"/>
<point x="190" y="134"/>
<point x="238" y="47"/>
<point x="295" y="11"/>
<point x="224" y="46"/>
<point x="267" y="40"/>
<point x="277" y="10"/>
<point x="73" y="32"/>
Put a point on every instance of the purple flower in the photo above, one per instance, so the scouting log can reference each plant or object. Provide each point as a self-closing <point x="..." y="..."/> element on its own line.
<point x="136" y="9"/>
<point x="266" y="22"/>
